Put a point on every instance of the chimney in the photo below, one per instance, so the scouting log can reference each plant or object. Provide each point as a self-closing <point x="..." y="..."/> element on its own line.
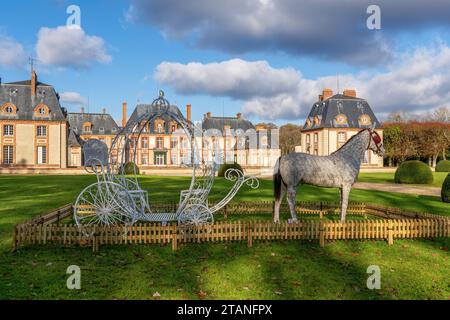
<point x="82" y="109"/>
<point x="350" y="93"/>
<point x="33" y="83"/>
<point x="208" y="115"/>
<point x="327" y="93"/>
<point x="188" y="107"/>
<point x="124" y="114"/>
<point x="238" y="115"/>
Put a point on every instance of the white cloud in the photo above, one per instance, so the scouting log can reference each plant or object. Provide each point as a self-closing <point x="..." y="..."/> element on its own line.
<point x="12" y="53"/>
<point x="417" y="81"/>
<point x="72" y="98"/>
<point x="70" y="47"/>
<point x="235" y="78"/>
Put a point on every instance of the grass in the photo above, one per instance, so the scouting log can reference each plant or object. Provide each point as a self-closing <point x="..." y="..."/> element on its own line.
<point x="411" y="269"/>
<point x="388" y="177"/>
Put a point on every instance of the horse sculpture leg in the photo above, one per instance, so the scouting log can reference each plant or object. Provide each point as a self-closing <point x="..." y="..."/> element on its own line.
<point x="276" y="215"/>
<point x="291" y="195"/>
<point x="345" y="192"/>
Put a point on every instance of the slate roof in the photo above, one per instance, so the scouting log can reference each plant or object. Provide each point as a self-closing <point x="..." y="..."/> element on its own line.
<point x="73" y="140"/>
<point x="219" y="123"/>
<point x="98" y="120"/>
<point x="352" y="107"/>
<point x="19" y="93"/>
<point x="142" y="109"/>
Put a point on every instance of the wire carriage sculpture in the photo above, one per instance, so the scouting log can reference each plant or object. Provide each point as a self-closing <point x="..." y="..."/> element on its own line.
<point x="118" y="199"/>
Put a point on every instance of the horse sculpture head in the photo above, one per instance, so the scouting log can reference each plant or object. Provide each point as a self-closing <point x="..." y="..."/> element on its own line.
<point x="375" y="142"/>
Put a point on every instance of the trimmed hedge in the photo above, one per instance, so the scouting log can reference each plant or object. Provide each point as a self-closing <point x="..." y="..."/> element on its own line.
<point x="413" y="171"/>
<point x="445" y="192"/>
<point x="443" y="166"/>
<point x="129" y="168"/>
<point x="224" y="167"/>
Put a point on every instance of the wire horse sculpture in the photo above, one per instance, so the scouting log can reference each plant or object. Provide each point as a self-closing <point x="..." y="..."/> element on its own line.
<point x="118" y="199"/>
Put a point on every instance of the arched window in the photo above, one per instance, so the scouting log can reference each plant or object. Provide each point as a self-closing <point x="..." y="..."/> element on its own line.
<point x="341" y="119"/>
<point x="365" y="120"/>
<point x="8" y="108"/>
<point x="41" y="110"/>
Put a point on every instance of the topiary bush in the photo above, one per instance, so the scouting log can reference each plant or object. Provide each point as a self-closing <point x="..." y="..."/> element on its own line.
<point x="413" y="171"/>
<point x="129" y="168"/>
<point x="443" y="166"/>
<point x="224" y="167"/>
<point x="445" y="192"/>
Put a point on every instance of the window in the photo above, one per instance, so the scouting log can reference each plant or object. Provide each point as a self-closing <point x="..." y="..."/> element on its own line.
<point x="8" y="154"/>
<point x="159" y="159"/>
<point x="144" y="143"/>
<point x="42" y="154"/>
<point x="173" y="128"/>
<point x="113" y="129"/>
<point x="101" y="130"/>
<point x="144" y="159"/>
<point x="41" y="131"/>
<point x="341" y="119"/>
<point x="307" y="138"/>
<point x="41" y="110"/>
<point x="159" y="128"/>
<point x="8" y="130"/>
<point x="316" y="137"/>
<point x="159" y="143"/>
<point x="8" y="108"/>
<point x="341" y="137"/>
<point x="173" y="158"/>
<point x="173" y="142"/>
<point x="87" y="127"/>
<point x="365" y="120"/>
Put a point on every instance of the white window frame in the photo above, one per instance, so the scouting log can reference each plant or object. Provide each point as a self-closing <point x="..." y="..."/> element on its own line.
<point x="8" y="130"/>
<point x="41" y="131"/>
<point x="42" y="155"/>
<point x="8" y="154"/>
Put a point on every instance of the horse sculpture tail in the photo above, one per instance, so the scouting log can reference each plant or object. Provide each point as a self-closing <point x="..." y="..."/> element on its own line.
<point x="277" y="180"/>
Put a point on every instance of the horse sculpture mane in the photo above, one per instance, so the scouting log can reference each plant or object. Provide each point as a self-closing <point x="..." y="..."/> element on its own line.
<point x="337" y="170"/>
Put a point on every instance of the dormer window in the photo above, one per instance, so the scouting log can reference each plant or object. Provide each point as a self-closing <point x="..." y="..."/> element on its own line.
<point x="365" y="120"/>
<point x="9" y="109"/>
<point x="341" y="119"/>
<point x="41" y="110"/>
<point x="101" y="130"/>
<point x="87" y="127"/>
<point x="308" y="122"/>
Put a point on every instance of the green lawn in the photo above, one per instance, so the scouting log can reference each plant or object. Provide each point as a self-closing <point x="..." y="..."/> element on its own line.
<point x="273" y="270"/>
<point x="388" y="177"/>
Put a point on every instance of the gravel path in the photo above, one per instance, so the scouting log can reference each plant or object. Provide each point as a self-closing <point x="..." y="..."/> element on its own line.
<point x="401" y="188"/>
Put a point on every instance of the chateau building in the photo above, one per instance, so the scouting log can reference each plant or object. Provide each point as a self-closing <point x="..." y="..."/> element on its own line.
<point x="33" y="126"/>
<point x="333" y="120"/>
<point x="235" y="139"/>
<point x="36" y="132"/>
<point x="84" y="126"/>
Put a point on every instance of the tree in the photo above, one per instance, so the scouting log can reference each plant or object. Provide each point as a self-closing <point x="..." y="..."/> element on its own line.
<point x="290" y="137"/>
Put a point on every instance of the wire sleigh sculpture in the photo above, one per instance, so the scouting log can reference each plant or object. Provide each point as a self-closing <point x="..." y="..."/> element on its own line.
<point x="118" y="199"/>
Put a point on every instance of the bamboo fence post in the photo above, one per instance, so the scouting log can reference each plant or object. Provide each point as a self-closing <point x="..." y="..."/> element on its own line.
<point x="321" y="234"/>
<point x="174" y="241"/>
<point x="390" y="233"/>
<point x="249" y="236"/>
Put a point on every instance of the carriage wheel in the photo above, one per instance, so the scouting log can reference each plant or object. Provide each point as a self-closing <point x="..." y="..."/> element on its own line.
<point x="195" y="215"/>
<point x="103" y="203"/>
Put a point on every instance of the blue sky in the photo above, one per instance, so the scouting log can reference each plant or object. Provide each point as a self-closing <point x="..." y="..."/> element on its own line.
<point x="267" y="59"/>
